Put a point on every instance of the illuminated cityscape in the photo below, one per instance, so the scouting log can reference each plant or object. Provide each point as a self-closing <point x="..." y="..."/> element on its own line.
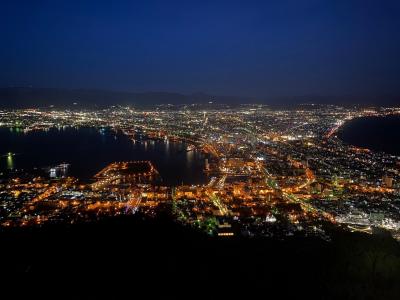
<point x="270" y="172"/>
<point x="200" y="149"/>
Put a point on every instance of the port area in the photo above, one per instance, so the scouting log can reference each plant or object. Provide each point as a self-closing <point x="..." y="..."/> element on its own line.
<point x="125" y="172"/>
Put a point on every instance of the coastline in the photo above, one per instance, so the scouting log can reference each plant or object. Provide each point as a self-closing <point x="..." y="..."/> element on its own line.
<point x="337" y="133"/>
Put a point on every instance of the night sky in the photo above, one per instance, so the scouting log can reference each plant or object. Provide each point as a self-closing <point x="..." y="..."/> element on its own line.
<point x="252" y="48"/>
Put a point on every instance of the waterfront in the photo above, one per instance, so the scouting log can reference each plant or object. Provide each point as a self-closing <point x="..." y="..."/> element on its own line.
<point x="272" y="173"/>
<point x="374" y="133"/>
<point x="88" y="150"/>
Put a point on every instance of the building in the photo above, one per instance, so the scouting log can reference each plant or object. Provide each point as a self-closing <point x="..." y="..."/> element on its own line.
<point x="387" y="181"/>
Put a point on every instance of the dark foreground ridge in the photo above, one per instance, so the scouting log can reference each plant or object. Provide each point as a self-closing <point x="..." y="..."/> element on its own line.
<point x="133" y="255"/>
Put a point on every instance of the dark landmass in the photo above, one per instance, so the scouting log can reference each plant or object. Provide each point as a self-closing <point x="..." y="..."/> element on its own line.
<point x="26" y="97"/>
<point x="134" y="257"/>
<point x="63" y="98"/>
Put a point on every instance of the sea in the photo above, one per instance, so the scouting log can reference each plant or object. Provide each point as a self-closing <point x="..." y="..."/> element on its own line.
<point x="88" y="150"/>
<point x="374" y="133"/>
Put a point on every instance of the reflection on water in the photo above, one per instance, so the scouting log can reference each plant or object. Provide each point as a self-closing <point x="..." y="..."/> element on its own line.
<point x="10" y="161"/>
<point x="166" y="143"/>
<point x="189" y="158"/>
<point x="88" y="151"/>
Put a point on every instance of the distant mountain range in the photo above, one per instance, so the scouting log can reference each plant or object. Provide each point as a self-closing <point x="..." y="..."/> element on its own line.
<point x="44" y="97"/>
<point x="26" y="97"/>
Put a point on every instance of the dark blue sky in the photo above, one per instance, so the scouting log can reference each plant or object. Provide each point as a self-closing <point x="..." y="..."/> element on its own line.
<point x="255" y="48"/>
